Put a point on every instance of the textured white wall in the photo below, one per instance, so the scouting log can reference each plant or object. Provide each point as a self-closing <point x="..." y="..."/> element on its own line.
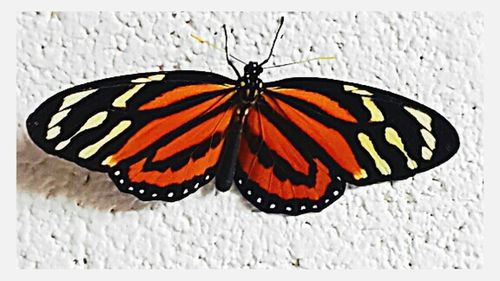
<point x="69" y="217"/>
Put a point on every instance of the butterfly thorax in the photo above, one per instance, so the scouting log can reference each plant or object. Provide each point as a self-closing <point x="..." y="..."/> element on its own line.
<point x="249" y="86"/>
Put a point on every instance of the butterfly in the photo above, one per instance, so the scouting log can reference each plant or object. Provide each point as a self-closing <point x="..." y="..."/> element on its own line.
<point x="289" y="146"/>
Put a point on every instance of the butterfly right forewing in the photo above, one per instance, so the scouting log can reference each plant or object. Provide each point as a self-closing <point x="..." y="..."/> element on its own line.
<point x="373" y="135"/>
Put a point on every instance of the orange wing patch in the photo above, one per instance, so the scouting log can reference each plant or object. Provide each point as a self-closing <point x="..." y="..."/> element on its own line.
<point x="284" y="189"/>
<point x="216" y="124"/>
<point x="275" y="140"/>
<point x="195" y="167"/>
<point x="158" y="128"/>
<point x="182" y="93"/>
<point x="327" y="105"/>
<point x="331" y="140"/>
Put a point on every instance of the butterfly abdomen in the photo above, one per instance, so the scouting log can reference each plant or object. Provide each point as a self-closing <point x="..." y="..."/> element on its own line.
<point x="226" y="167"/>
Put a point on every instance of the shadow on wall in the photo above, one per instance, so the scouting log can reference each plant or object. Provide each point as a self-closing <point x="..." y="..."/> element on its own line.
<point x="50" y="176"/>
<point x="38" y="172"/>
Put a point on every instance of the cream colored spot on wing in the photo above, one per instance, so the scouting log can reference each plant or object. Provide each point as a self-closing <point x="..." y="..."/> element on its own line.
<point x="92" y="149"/>
<point x="393" y="138"/>
<point x="141" y="80"/>
<point x="53" y="132"/>
<point x="380" y="163"/>
<point x="361" y="174"/>
<point x="76" y="97"/>
<point x="157" y="77"/>
<point x="422" y="118"/>
<point x="362" y="92"/>
<point x="121" y="101"/>
<point x="58" y="117"/>
<point x="62" y="144"/>
<point x="108" y="161"/>
<point x="349" y="88"/>
<point x="429" y="139"/>
<point x="376" y="114"/>
<point x="355" y="90"/>
<point x="94" y="121"/>
<point x="426" y="153"/>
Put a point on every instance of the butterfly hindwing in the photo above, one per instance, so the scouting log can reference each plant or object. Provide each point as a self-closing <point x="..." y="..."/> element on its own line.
<point x="141" y="129"/>
<point x="281" y="171"/>
<point x="371" y="134"/>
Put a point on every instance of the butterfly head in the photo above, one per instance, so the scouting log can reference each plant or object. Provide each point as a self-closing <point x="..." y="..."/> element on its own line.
<point x="252" y="69"/>
<point x="250" y="85"/>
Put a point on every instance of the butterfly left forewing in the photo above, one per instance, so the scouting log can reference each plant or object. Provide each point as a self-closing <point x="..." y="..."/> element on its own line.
<point x="371" y="134"/>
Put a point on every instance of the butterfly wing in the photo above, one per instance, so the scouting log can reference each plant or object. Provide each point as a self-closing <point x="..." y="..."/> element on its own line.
<point x="158" y="135"/>
<point x="373" y="135"/>
<point x="361" y="134"/>
<point x="279" y="168"/>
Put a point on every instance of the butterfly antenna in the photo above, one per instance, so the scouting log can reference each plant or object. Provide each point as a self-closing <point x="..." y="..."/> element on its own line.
<point x="282" y="19"/>
<point x="227" y="54"/>
<point x="302" y="61"/>
<point x="203" y="41"/>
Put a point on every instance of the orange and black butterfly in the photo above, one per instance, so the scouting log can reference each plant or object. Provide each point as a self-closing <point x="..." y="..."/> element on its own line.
<point x="290" y="146"/>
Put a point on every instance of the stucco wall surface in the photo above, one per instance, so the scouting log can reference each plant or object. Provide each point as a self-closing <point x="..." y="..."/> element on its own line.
<point x="69" y="217"/>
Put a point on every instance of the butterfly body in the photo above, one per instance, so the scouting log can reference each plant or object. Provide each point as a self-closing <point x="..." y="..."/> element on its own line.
<point x="289" y="146"/>
<point x="248" y="90"/>
<point x="226" y="167"/>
